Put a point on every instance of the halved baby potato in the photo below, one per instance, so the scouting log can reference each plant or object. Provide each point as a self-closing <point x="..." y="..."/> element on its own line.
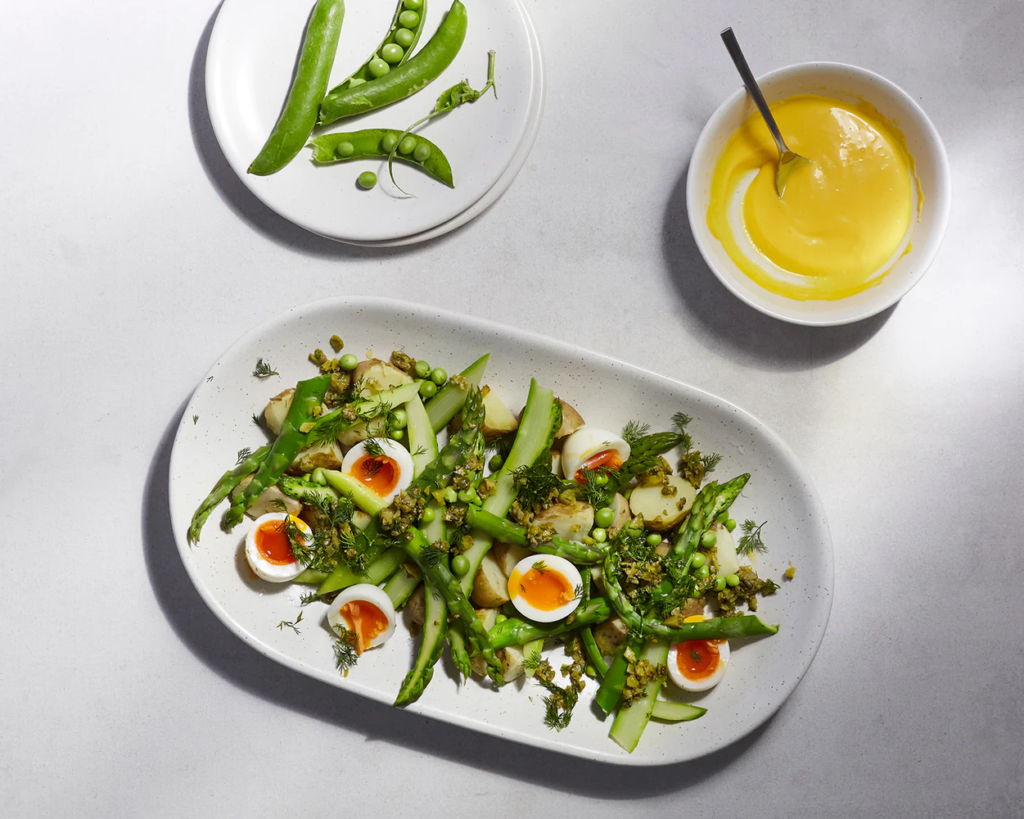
<point x="664" y="505"/>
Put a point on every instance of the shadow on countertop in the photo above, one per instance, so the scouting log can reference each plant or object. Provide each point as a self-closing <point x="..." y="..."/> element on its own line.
<point x="259" y="676"/>
<point x="240" y="199"/>
<point x="737" y="330"/>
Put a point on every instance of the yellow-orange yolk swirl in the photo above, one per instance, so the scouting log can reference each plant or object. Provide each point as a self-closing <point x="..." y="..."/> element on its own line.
<point x="272" y="542"/>
<point x="365" y="620"/>
<point x="844" y="216"/>
<point x="544" y="589"/>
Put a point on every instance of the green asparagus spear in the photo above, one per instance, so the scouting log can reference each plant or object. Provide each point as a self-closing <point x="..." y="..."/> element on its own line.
<point x="515" y="632"/>
<point x="228" y="481"/>
<point x="504" y="530"/>
<point x="710" y="502"/>
<point x="436" y="572"/>
<point x="643" y="456"/>
<point x="308" y="395"/>
<point x="716" y="628"/>
<point x="434" y="626"/>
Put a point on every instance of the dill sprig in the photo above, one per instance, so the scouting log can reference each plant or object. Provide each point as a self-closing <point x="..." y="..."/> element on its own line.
<point x="634" y="431"/>
<point x="345" y="655"/>
<point x="679" y="421"/>
<point x="594" y="493"/>
<point x="535" y="484"/>
<point x="710" y="462"/>
<point x="293" y="624"/>
<point x="195" y="419"/>
<point x="263" y="369"/>
<point x="432" y="556"/>
<point x="256" y="420"/>
<point x="243" y="453"/>
<point x="751" y="540"/>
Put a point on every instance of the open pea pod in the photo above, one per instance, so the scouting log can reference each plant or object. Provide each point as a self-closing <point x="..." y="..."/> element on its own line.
<point x="376" y="143"/>
<point x="395" y="48"/>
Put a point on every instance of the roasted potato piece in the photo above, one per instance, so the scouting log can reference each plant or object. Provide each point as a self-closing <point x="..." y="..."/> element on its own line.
<point x="508" y="555"/>
<point x="326" y="455"/>
<point x="277" y="409"/>
<point x="378" y="376"/>
<point x="490" y="586"/>
<point x="571" y="521"/>
<point x="663" y="506"/>
<point x="417" y="606"/>
<point x="498" y="420"/>
<point x="620" y="507"/>
<point x="512" y="662"/>
<point x="571" y="420"/>
<point x="610" y="635"/>
<point x="269" y="501"/>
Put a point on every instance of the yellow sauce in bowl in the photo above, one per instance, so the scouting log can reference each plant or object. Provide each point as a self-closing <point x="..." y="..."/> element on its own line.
<point x="845" y="216"/>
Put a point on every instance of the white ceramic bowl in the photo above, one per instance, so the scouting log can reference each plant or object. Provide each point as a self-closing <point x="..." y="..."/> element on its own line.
<point x="849" y="84"/>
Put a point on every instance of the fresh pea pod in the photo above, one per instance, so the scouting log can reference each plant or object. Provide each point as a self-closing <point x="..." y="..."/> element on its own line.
<point x="406" y="40"/>
<point x="311" y="77"/>
<point x="374" y="143"/>
<point x="407" y="79"/>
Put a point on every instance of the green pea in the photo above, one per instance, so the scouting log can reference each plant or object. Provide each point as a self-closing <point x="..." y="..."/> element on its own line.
<point x="378" y="67"/>
<point x="460" y="565"/>
<point x="708" y="539"/>
<point x="723" y="517"/>
<point x="496" y="462"/>
<point x="604" y="517"/>
<point x="422" y="368"/>
<point x="720" y="583"/>
<point x="599" y="535"/>
<point x="498" y="618"/>
<point x="319" y="477"/>
<point x="601" y="479"/>
<point x="422" y="152"/>
<point x="408" y="19"/>
<point x="698" y="560"/>
<point x="437" y="375"/>
<point x="473" y="497"/>
<point x="367" y="179"/>
<point x="399" y="419"/>
<point x="631" y="532"/>
<point x="653" y="539"/>
<point x="345" y="149"/>
<point x="404" y="37"/>
<point x="428" y="389"/>
<point x="730" y="524"/>
<point x="732" y="580"/>
<point x="427" y="516"/>
<point x="413" y="4"/>
<point x="387" y="145"/>
<point x="356" y="81"/>
<point x="464" y="495"/>
<point x="349" y="362"/>
<point x="407" y="145"/>
<point x="397" y="434"/>
<point x="450" y="495"/>
<point x="703" y="572"/>
<point x="392" y="53"/>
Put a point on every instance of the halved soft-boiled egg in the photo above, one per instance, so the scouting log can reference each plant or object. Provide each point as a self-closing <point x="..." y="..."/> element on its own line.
<point x="697" y="665"/>
<point x="384" y="466"/>
<point x="268" y="549"/>
<point x="367" y="612"/>
<point x="592" y="448"/>
<point x="544" y="588"/>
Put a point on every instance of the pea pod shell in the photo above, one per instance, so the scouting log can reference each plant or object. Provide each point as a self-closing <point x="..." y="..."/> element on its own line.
<point x="363" y="72"/>
<point x="407" y="79"/>
<point x="367" y="145"/>
<point x="298" y="117"/>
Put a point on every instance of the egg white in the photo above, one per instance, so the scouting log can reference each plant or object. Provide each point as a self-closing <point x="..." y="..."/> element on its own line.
<point x="684" y="682"/>
<point x="396" y="452"/>
<point x="273" y="572"/>
<point x="368" y="593"/>
<point x="552" y="563"/>
<point x="586" y="442"/>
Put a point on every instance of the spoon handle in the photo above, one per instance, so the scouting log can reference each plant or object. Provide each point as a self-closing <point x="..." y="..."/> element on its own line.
<point x="750" y="82"/>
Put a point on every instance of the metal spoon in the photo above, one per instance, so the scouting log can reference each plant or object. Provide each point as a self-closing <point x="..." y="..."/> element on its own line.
<point x="788" y="160"/>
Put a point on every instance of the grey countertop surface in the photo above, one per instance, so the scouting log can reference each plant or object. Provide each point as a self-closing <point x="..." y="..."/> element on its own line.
<point x="131" y="257"/>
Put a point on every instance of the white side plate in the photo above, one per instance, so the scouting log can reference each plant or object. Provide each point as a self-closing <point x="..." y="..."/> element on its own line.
<point x="608" y="393"/>
<point x="249" y="66"/>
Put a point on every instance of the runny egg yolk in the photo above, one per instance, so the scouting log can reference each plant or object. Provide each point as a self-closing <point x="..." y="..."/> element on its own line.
<point x="544" y="589"/>
<point x="844" y="216"/>
<point x="272" y="542"/>
<point x="379" y="473"/>
<point x="698" y="659"/>
<point x="608" y="458"/>
<point x="365" y="620"/>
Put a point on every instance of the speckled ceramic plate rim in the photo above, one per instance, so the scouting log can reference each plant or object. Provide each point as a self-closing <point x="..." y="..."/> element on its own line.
<point x="817" y="610"/>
